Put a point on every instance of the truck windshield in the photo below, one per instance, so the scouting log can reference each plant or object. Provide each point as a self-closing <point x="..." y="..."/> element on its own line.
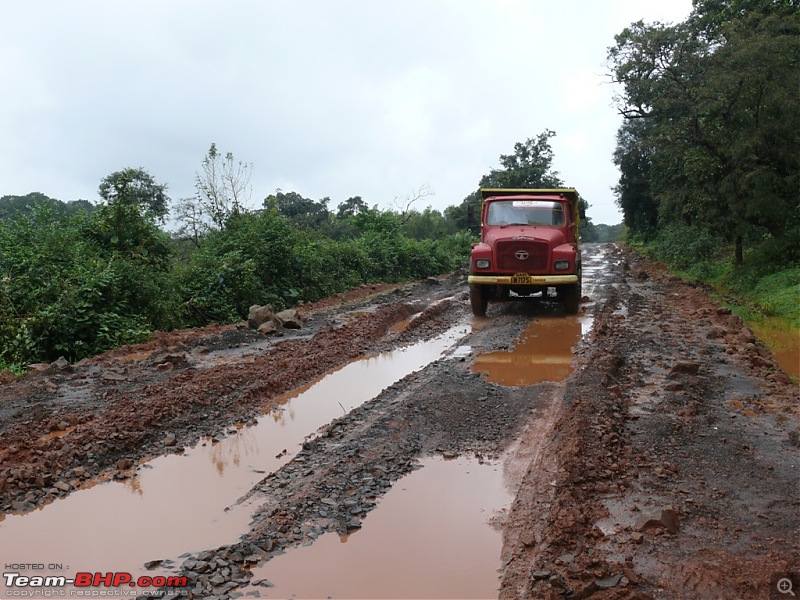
<point x="525" y="212"/>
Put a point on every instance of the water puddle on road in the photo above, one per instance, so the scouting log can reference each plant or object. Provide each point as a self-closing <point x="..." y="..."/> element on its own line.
<point x="542" y="353"/>
<point x="430" y="537"/>
<point x="783" y="341"/>
<point x="182" y="503"/>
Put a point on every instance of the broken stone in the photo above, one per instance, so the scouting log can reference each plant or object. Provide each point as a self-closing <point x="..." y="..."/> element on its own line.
<point x="170" y="440"/>
<point x="150" y="565"/>
<point x="124" y="463"/>
<point x="538" y="575"/>
<point x="113" y="376"/>
<point x="62" y="486"/>
<point x="165" y="366"/>
<point x="267" y="327"/>
<point x="61" y="364"/>
<point x="685" y="366"/>
<point x="666" y="518"/>
<point x="290" y="319"/>
<point x="174" y="359"/>
<point x="259" y="315"/>
<point x="609" y="582"/>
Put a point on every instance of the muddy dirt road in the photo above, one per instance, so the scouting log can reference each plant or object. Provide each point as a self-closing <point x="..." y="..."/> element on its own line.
<point x="397" y="447"/>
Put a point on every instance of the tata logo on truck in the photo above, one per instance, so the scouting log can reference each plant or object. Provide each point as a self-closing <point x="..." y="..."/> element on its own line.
<point x="529" y="246"/>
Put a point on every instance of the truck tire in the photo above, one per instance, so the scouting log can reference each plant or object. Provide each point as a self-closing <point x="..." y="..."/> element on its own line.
<point x="479" y="299"/>
<point x="571" y="298"/>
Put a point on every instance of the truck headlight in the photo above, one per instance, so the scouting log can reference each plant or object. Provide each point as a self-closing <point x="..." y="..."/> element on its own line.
<point x="561" y="265"/>
<point x="482" y="263"/>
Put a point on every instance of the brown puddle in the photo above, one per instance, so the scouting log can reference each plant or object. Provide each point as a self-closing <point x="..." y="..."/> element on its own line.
<point x="430" y="537"/>
<point x="783" y="341"/>
<point x="542" y="353"/>
<point x="181" y="503"/>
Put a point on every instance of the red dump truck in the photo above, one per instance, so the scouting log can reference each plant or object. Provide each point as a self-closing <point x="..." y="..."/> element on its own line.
<point x="529" y="246"/>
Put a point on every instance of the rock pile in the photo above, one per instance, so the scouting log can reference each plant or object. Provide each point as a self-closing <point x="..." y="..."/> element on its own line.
<point x="264" y="320"/>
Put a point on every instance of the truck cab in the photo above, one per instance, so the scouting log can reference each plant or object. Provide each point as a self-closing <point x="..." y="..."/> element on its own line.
<point x="529" y="246"/>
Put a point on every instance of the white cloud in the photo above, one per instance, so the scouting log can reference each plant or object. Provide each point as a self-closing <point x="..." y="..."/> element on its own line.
<point x="329" y="98"/>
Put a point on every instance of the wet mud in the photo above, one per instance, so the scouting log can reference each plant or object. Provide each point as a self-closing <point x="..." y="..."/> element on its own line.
<point x="534" y="457"/>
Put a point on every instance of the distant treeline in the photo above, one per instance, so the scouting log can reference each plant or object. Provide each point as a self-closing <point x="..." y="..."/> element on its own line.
<point x="77" y="278"/>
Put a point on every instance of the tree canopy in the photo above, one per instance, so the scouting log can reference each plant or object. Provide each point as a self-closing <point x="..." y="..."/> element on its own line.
<point x="712" y="131"/>
<point x="136" y="187"/>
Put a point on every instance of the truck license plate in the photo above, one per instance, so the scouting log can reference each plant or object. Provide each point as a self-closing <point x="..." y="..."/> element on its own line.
<point x="521" y="279"/>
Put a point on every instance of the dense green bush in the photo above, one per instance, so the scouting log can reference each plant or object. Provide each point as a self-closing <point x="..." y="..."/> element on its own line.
<point x="66" y="293"/>
<point x="79" y="285"/>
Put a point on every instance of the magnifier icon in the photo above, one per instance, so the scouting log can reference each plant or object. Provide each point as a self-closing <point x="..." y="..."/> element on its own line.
<point x="785" y="586"/>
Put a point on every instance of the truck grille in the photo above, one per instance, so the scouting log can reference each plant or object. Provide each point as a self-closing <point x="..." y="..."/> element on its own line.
<point x="510" y="256"/>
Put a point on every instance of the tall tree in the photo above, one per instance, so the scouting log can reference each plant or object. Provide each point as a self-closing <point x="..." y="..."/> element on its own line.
<point x="136" y="187"/>
<point x="720" y="94"/>
<point x="529" y="167"/>
<point x="223" y="187"/>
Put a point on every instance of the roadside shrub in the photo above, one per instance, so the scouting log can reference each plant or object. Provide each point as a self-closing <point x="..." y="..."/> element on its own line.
<point x="683" y="247"/>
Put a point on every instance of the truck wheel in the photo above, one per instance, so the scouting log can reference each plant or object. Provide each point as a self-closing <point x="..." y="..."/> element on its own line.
<point x="571" y="299"/>
<point x="479" y="299"/>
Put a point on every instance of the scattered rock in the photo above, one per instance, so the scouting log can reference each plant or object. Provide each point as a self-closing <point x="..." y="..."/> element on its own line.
<point x="113" y="376"/>
<point x="259" y="315"/>
<point x="667" y="518"/>
<point x="170" y="440"/>
<point x="267" y="327"/>
<point x="609" y="582"/>
<point x="62" y="486"/>
<point x="685" y="366"/>
<point x="150" y="565"/>
<point x="61" y="364"/>
<point x="290" y="319"/>
<point x="173" y="359"/>
<point x="124" y="464"/>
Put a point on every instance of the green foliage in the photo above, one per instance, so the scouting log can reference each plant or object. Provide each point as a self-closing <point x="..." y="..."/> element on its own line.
<point x="692" y="250"/>
<point x="264" y="257"/>
<point x="766" y="285"/>
<point x="136" y="187"/>
<point x="65" y="294"/>
<point x="610" y="233"/>
<point x="19" y="206"/>
<point x="713" y="129"/>
<point x="529" y="167"/>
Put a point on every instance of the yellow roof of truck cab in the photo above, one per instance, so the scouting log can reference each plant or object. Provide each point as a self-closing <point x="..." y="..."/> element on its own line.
<point x="569" y="193"/>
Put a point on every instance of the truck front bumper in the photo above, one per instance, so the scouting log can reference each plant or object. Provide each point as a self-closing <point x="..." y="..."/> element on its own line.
<point x="517" y="280"/>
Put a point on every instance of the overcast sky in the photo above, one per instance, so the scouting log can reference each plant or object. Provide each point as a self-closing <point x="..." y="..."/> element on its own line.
<point x="333" y="98"/>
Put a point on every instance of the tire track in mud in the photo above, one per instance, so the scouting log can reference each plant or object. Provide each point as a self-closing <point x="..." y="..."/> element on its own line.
<point x="336" y="480"/>
<point x="638" y="495"/>
<point x="130" y="418"/>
